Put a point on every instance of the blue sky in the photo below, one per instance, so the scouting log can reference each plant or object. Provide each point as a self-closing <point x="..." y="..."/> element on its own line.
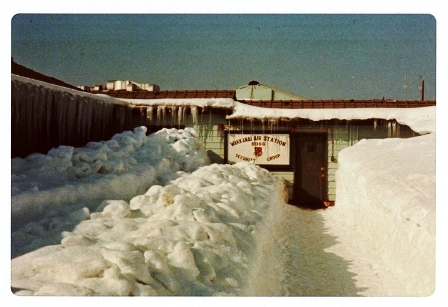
<point x="317" y="56"/>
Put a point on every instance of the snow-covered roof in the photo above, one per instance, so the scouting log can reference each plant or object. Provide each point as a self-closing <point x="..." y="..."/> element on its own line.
<point x="338" y="103"/>
<point x="421" y="120"/>
<point x="171" y="94"/>
<point x="226" y="103"/>
<point x="60" y="88"/>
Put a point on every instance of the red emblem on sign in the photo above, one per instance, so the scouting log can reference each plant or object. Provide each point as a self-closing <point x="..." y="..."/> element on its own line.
<point x="258" y="151"/>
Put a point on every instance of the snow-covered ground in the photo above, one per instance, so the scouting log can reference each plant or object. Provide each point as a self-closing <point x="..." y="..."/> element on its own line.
<point x="195" y="229"/>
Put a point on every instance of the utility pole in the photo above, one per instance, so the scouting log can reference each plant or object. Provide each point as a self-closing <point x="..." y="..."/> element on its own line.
<point x="421" y="87"/>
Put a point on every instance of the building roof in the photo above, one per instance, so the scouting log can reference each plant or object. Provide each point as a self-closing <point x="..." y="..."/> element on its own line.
<point x="23" y="71"/>
<point x="298" y="103"/>
<point x="171" y="94"/>
<point x="338" y="104"/>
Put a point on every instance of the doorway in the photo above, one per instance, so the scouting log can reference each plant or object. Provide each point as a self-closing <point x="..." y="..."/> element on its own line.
<point x="310" y="170"/>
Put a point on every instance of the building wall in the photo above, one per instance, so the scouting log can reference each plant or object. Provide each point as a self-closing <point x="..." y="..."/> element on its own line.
<point x="211" y="126"/>
<point x="341" y="134"/>
<point x="44" y="118"/>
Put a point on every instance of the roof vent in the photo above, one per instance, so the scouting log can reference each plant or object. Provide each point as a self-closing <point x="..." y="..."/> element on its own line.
<point x="254" y="82"/>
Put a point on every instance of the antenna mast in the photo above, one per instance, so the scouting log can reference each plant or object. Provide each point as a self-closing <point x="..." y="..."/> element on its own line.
<point x="422" y="88"/>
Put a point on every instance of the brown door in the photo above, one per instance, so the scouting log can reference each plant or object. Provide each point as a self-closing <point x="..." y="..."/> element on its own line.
<point x="310" y="182"/>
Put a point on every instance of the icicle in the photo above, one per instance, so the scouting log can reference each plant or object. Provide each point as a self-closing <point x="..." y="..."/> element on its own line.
<point x="180" y="115"/>
<point x="163" y="113"/>
<point x="173" y="115"/>
<point x="374" y="124"/>
<point x="389" y="129"/>
<point x="149" y="113"/>
<point x="194" y="115"/>
<point x="271" y="125"/>
<point x="210" y="124"/>
<point x="275" y="124"/>
<point x="159" y="114"/>
<point x="251" y="125"/>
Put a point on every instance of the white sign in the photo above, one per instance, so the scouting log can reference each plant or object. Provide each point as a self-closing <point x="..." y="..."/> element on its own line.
<point x="265" y="149"/>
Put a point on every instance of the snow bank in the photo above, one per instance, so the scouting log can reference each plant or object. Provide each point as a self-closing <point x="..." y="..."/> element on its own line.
<point x="421" y="120"/>
<point x="68" y="179"/>
<point x="194" y="236"/>
<point x="385" y="202"/>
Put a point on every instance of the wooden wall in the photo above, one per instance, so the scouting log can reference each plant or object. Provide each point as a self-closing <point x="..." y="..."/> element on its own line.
<point x="45" y="117"/>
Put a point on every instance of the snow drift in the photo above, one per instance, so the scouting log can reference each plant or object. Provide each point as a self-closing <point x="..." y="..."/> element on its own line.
<point x="58" y="185"/>
<point x="137" y="215"/>
<point x="385" y="202"/>
<point x="194" y="236"/>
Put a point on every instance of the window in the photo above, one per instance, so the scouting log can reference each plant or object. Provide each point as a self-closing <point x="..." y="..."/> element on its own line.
<point x="311" y="147"/>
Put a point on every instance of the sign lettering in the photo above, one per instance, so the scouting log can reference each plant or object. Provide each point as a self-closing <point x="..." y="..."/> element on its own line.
<point x="259" y="148"/>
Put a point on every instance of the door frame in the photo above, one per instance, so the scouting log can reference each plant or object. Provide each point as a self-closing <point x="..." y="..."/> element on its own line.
<point x="321" y="137"/>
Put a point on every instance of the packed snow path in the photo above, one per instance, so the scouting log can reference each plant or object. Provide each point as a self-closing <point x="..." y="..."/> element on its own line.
<point x="296" y="264"/>
<point x="309" y="270"/>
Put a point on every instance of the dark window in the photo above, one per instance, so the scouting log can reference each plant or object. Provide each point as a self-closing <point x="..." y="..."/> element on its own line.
<point x="311" y="147"/>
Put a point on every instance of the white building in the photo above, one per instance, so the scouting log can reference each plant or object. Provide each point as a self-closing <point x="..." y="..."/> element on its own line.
<point x="117" y="85"/>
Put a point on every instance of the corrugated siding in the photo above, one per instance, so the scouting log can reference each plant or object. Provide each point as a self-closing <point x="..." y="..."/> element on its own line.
<point x="343" y="137"/>
<point x="213" y="139"/>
